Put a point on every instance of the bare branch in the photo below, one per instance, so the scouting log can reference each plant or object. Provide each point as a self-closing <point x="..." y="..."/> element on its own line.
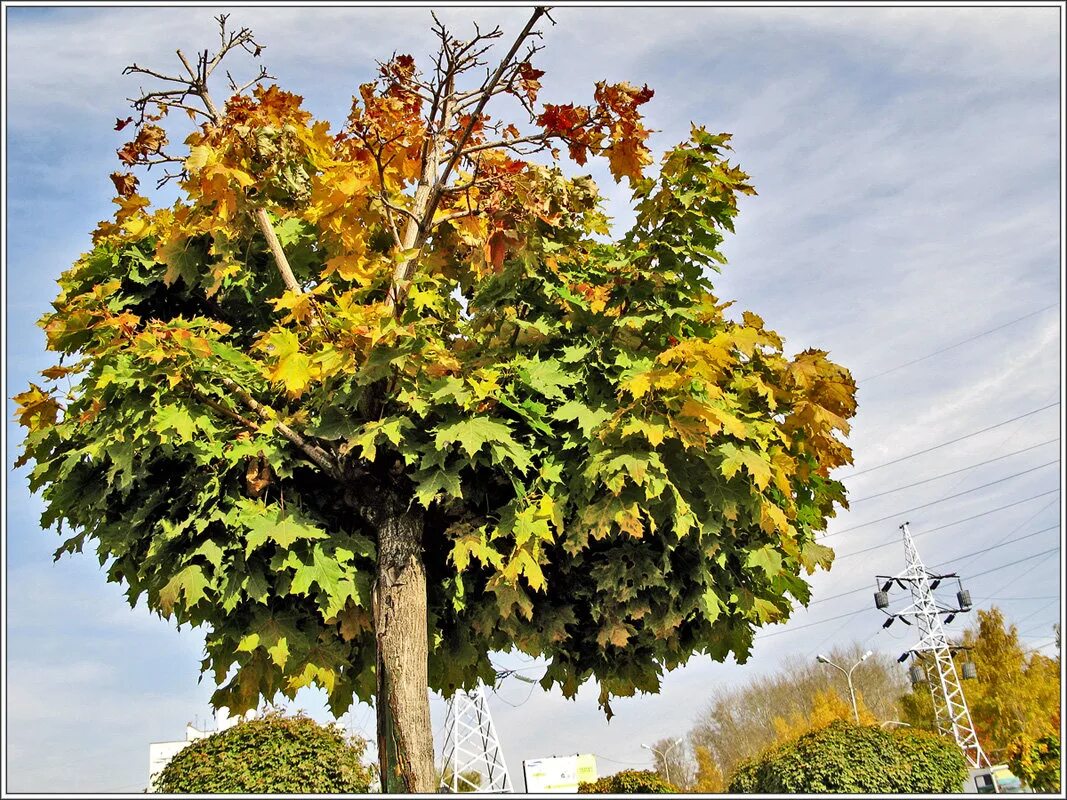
<point x="193" y="76"/>
<point x="134" y="68"/>
<point x="540" y="138"/>
<point x="431" y="183"/>
<point x="451" y="163"/>
<point x="169" y="176"/>
<point x="262" y="76"/>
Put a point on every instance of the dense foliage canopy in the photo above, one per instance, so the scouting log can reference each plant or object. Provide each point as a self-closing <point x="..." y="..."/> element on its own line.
<point x="611" y="469"/>
<point x="843" y="757"/>
<point x="270" y="755"/>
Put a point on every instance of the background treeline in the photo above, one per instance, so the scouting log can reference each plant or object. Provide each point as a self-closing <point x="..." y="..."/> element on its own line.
<point x="1014" y="702"/>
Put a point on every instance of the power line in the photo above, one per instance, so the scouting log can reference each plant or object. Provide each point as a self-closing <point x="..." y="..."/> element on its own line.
<point x="1027" y="521"/>
<point x="958" y="558"/>
<point x="958" y="344"/>
<point x="996" y="546"/>
<point x="1022" y="575"/>
<point x="1013" y="563"/>
<point x="949" y="524"/>
<point x="946" y="444"/>
<point x="813" y="624"/>
<point x="852" y="502"/>
<point x="1017" y="623"/>
<point x="861" y="610"/>
<point x="943" y="499"/>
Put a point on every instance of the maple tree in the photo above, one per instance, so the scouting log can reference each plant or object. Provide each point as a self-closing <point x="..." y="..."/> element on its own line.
<point x="371" y="404"/>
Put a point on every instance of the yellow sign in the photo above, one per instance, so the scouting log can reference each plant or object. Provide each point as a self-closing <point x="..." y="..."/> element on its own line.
<point x="559" y="774"/>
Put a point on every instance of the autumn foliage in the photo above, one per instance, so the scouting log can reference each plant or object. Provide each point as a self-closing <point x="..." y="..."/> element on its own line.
<point x="405" y="315"/>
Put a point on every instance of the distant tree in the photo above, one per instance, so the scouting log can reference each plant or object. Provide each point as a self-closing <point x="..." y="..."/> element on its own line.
<point x="270" y="755"/>
<point x="739" y="722"/>
<point x="1015" y="694"/>
<point x="844" y="757"/>
<point x="827" y="706"/>
<point x="709" y="778"/>
<point x="1036" y="762"/>
<point x="629" y="781"/>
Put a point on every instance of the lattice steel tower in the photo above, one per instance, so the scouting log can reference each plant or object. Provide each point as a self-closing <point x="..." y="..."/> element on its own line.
<point x="946" y="691"/>
<point x="471" y="746"/>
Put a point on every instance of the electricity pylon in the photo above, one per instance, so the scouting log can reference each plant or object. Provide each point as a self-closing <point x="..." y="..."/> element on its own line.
<point x="950" y="707"/>
<point x="471" y="746"/>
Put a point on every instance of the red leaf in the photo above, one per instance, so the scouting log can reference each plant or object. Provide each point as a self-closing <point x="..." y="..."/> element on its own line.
<point x="496" y="250"/>
<point x="122" y="123"/>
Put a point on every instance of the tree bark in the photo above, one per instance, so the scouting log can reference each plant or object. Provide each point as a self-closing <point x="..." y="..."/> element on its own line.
<point x="405" y="739"/>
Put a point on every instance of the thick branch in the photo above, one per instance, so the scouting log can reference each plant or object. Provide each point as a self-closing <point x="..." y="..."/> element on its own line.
<point x="276" y="250"/>
<point x="319" y="456"/>
<point x="221" y="409"/>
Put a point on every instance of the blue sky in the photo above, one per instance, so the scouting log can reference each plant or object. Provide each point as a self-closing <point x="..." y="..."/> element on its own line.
<point x="907" y="162"/>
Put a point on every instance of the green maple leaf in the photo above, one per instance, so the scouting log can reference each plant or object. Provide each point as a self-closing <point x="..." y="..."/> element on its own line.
<point x="210" y="550"/>
<point x="432" y="482"/>
<point x="588" y="419"/>
<point x="177" y="419"/>
<point x="323" y="571"/>
<point x="275" y="634"/>
<point x="546" y="377"/>
<point x="766" y="558"/>
<point x="813" y="554"/>
<point x="712" y="604"/>
<point x="472" y="433"/>
<point x="190" y="583"/>
<point x="277" y="526"/>
<point x="734" y="457"/>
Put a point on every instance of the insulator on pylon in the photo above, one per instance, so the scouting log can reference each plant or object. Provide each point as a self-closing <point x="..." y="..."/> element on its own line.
<point x="917" y="673"/>
<point x="969" y="670"/>
<point x="881" y="599"/>
<point x="964" y="598"/>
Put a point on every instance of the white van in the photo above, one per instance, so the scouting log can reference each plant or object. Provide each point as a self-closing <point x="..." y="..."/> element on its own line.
<point x="997" y="779"/>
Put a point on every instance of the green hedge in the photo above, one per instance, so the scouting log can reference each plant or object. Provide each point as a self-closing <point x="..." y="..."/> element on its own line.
<point x="269" y="755"/>
<point x="843" y="757"/>
<point x="629" y="781"/>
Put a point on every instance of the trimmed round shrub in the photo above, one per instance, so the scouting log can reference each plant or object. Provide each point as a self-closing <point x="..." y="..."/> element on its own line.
<point x="629" y="781"/>
<point x="272" y="754"/>
<point x="843" y="757"/>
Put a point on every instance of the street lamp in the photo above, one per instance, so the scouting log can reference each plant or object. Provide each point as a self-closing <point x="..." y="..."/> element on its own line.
<point x="848" y="675"/>
<point x="663" y="755"/>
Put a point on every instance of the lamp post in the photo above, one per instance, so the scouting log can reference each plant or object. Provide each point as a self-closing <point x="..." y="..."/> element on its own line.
<point x="848" y="676"/>
<point x="663" y="755"/>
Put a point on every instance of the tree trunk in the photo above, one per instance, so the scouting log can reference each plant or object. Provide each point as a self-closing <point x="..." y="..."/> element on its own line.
<point x="405" y="739"/>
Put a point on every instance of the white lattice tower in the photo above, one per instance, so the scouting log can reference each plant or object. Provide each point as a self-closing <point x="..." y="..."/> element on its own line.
<point x="950" y="707"/>
<point x="471" y="746"/>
